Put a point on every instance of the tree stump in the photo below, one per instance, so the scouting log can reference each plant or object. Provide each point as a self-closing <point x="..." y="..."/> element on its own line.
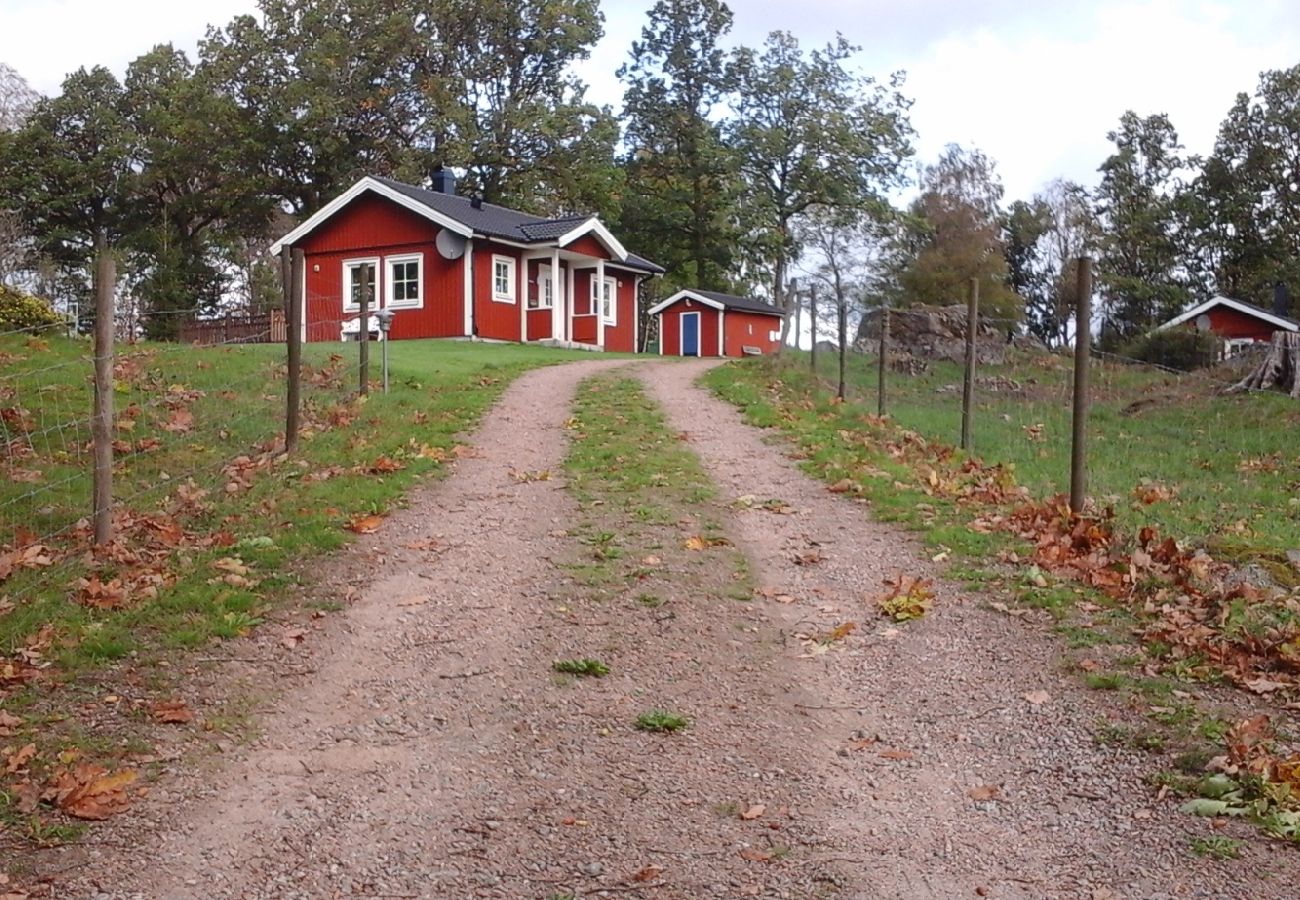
<point x="1280" y="367"/>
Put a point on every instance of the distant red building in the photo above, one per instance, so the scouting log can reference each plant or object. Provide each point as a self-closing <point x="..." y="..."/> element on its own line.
<point x="1238" y="324"/>
<point x="706" y="323"/>
<point x="452" y="266"/>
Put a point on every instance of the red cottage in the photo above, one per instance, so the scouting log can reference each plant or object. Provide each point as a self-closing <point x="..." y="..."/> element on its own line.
<point x="1237" y="324"/>
<point x="452" y="266"/>
<point x="706" y="323"/>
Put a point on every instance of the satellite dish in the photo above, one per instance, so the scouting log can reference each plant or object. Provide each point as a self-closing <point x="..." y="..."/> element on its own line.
<point x="450" y="244"/>
<point x="1202" y="322"/>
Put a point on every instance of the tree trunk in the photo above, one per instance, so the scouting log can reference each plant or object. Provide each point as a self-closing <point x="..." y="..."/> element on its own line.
<point x="1280" y="368"/>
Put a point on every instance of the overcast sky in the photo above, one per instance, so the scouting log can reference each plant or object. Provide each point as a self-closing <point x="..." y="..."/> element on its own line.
<point x="1036" y="86"/>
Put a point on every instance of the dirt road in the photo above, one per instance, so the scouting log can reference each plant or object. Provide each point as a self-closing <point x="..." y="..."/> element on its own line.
<point x="432" y="753"/>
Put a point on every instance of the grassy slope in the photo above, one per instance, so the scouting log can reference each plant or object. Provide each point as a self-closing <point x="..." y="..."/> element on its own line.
<point x="1231" y="459"/>
<point x="268" y="517"/>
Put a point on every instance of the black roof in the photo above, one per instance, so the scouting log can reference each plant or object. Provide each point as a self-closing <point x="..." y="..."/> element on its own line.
<point x="491" y="220"/>
<point x="747" y="304"/>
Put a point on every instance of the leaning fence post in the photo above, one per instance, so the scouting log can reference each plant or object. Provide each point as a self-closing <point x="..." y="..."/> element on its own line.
<point x="102" y="421"/>
<point x="812" y="314"/>
<point x="364" y="292"/>
<point x="968" y="384"/>
<point x="883" y="361"/>
<point x="292" y="268"/>
<point x="1082" y="355"/>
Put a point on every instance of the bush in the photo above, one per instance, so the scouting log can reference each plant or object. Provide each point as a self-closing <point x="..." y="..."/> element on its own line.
<point x="1183" y="349"/>
<point x="23" y="312"/>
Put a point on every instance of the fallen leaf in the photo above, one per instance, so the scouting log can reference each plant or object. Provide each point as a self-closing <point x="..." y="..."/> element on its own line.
<point x="843" y="486"/>
<point x="18" y="760"/>
<point x="649" y="873"/>
<point x="91" y="792"/>
<point x="985" y="792"/>
<point x="753" y="812"/>
<point x="180" y="421"/>
<point x="8" y="723"/>
<point x="897" y="755"/>
<point x="293" y="637"/>
<point x="1264" y="686"/>
<point x="753" y="855"/>
<point x="1038" y="698"/>
<point x="365" y="524"/>
<point x="173" y="712"/>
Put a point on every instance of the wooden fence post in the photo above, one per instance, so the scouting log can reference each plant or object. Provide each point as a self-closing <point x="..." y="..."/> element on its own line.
<point x="812" y="314"/>
<point x="102" y="421"/>
<point x="884" y="360"/>
<point x="968" y="384"/>
<point x="364" y="337"/>
<point x="1082" y="358"/>
<point x="292" y="264"/>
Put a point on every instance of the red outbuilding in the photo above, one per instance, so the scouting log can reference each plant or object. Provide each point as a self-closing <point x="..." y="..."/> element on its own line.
<point x="453" y="266"/>
<point x="1237" y="324"/>
<point x="706" y="323"/>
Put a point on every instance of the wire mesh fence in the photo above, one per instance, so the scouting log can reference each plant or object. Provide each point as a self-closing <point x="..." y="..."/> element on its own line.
<point x="1165" y="447"/>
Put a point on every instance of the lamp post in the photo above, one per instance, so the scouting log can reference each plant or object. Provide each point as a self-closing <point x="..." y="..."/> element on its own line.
<point x="385" y="317"/>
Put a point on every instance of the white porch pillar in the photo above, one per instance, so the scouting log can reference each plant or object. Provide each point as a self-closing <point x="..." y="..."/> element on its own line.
<point x="599" y="287"/>
<point x="521" y="295"/>
<point x="569" y="305"/>
<point x="468" y="276"/>
<point x="557" y="300"/>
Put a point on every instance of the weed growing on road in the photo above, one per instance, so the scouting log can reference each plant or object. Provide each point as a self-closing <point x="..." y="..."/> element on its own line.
<point x="583" y="668"/>
<point x="660" y="721"/>
<point x="1217" y="847"/>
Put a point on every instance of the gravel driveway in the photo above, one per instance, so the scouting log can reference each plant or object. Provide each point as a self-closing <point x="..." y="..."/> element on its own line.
<point x="431" y="754"/>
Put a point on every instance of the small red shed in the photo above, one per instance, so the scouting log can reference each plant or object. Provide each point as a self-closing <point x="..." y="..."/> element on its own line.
<point x="454" y="266"/>
<point x="707" y="323"/>
<point x="1237" y="324"/>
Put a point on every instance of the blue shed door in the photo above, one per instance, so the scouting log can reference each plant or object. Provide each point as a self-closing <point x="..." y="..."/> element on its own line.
<point x="690" y="334"/>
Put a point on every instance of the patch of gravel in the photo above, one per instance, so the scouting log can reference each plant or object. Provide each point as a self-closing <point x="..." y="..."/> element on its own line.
<point x="1073" y="818"/>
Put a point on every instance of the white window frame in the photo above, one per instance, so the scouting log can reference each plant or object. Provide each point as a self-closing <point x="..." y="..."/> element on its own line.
<point x="598" y="298"/>
<point x="390" y="283"/>
<point x="545" y="299"/>
<point x="512" y="278"/>
<point x="348" y="266"/>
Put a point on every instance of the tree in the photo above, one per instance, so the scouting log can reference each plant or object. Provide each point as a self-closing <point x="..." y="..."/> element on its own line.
<point x="1043" y="240"/>
<point x="188" y="187"/>
<point x="810" y="133"/>
<point x="1243" y="210"/>
<point x="16" y="101"/>
<point x="1141" y="277"/>
<point x="680" y="188"/>
<point x="16" y="98"/>
<point x="67" y="170"/>
<point x="959" y="213"/>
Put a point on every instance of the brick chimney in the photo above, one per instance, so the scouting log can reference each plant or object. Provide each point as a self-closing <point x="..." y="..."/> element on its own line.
<point x="444" y="182"/>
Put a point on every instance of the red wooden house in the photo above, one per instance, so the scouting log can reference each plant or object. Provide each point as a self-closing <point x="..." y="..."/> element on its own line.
<point x="706" y="323"/>
<point x="453" y="266"/>
<point x="1237" y="324"/>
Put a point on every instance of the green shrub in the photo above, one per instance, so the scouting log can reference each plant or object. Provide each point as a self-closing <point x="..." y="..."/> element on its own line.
<point x="1183" y="349"/>
<point x="19" y="311"/>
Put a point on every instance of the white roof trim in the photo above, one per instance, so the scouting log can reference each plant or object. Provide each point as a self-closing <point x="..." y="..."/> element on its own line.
<point x="383" y="190"/>
<point x="594" y="227"/>
<point x="683" y="295"/>
<point x="1284" y="324"/>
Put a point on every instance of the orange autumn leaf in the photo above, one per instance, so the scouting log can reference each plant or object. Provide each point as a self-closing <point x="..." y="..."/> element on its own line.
<point x="365" y="524"/>
<point x="91" y="792"/>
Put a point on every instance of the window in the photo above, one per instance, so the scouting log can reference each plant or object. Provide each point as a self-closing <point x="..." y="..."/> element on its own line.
<point x="503" y="279"/>
<point x="355" y="273"/>
<point x="404" y="281"/>
<point x="606" y="299"/>
<point x="545" y="297"/>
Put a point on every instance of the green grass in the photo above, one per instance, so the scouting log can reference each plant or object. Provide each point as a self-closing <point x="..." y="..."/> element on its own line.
<point x="1230" y="459"/>
<point x="583" y="668"/>
<point x="660" y="721"/>
<point x="1217" y="847"/>
<point x="356" y="458"/>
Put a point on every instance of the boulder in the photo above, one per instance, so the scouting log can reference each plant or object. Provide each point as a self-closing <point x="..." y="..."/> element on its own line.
<point x="933" y="332"/>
